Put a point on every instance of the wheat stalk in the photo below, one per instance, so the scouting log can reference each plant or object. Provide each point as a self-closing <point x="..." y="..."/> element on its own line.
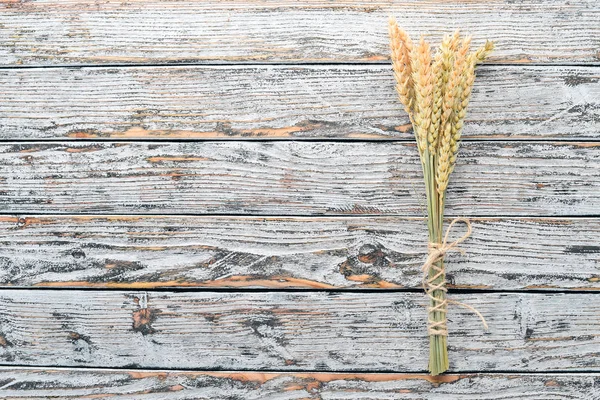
<point x="436" y="96"/>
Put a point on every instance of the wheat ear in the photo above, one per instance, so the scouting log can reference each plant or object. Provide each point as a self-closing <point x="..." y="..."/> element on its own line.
<point x="452" y="81"/>
<point x="450" y="98"/>
<point x="442" y="68"/>
<point x="465" y="89"/>
<point x="437" y="100"/>
<point x="484" y="51"/>
<point x="454" y="41"/>
<point x="423" y="81"/>
<point x="464" y="64"/>
<point x="401" y="48"/>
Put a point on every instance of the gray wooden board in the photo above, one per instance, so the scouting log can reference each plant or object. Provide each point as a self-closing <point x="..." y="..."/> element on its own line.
<point x="294" y="178"/>
<point x="278" y="102"/>
<point x="309" y="253"/>
<point x="155" y="31"/>
<point x="322" y="331"/>
<point x="38" y="383"/>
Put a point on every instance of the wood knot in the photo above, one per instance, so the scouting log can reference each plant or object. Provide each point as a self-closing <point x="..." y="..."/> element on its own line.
<point x="365" y="266"/>
<point x="370" y="254"/>
<point x="143" y="319"/>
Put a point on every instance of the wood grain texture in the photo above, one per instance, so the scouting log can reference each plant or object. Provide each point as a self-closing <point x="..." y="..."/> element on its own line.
<point x="318" y="331"/>
<point x="294" y="178"/>
<point x="309" y="253"/>
<point x="34" y="384"/>
<point x="277" y="102"/>
<point x="153" y="31"/>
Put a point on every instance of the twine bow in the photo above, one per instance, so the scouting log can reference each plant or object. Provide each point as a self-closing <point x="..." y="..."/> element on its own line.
<point x="436" y="281"/>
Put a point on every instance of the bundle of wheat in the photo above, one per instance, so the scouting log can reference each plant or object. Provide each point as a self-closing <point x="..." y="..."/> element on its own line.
<point x="435" y="92"/>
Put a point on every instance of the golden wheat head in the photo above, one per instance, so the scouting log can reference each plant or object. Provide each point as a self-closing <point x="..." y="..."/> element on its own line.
<point x="423" y="83"/>
<point x="401" y="48"/>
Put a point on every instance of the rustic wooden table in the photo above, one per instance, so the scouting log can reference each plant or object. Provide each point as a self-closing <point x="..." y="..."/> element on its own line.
<point x="222" y="200"/>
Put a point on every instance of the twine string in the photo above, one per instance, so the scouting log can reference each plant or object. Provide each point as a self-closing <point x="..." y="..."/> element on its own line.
<point x="434" y="271"/>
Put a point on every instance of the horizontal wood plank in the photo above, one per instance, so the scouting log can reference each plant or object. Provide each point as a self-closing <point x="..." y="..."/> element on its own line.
<point x="323" y="331"/>
<point x="309" y="253"/>
<point x="34" y="384"/>
<point x="153" y="31"/>
<point x="276" y="102"/>
<point x="294" y="178"/>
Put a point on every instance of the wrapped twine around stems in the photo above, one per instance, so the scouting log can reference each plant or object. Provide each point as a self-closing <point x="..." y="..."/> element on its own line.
<point x="434" y="279"/>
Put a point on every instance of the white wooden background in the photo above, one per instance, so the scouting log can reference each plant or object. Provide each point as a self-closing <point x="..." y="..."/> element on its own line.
<point x="222" y="200"/>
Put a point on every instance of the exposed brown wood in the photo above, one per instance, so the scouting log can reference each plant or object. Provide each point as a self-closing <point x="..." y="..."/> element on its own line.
<point x="323" y="331"/>
<point x="33" y="384"/>
<point x="282" y="102"/>
<point x="154" y="31"/>
<point x="299" y="178"/>
<point x="308" y="253"/>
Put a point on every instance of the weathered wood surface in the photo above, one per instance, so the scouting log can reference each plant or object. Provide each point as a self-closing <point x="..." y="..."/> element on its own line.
<point x="294" y="178"/>
<point x="34" y="384"/>
<point x="354" y="252"/>
<point x="318" y="331"/>
<point x="155" y="31"/>
<point x="277" y="102"/>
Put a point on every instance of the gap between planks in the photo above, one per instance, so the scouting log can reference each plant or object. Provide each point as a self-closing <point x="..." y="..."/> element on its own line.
<point x="415" y="372"/>
<point x="254" y="64"/>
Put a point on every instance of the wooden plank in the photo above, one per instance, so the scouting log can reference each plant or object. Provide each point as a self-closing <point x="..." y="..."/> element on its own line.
<point x="309" y="253"/>
<point x="33" y="384"/>
<point x="294" y="178"/>
<point x="322" y="331"/>
<point x="278" y="102"/>
<point x="153" y="31"/>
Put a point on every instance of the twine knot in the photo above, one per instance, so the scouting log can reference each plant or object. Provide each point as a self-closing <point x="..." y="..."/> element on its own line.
<point x="434" y="281"/>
